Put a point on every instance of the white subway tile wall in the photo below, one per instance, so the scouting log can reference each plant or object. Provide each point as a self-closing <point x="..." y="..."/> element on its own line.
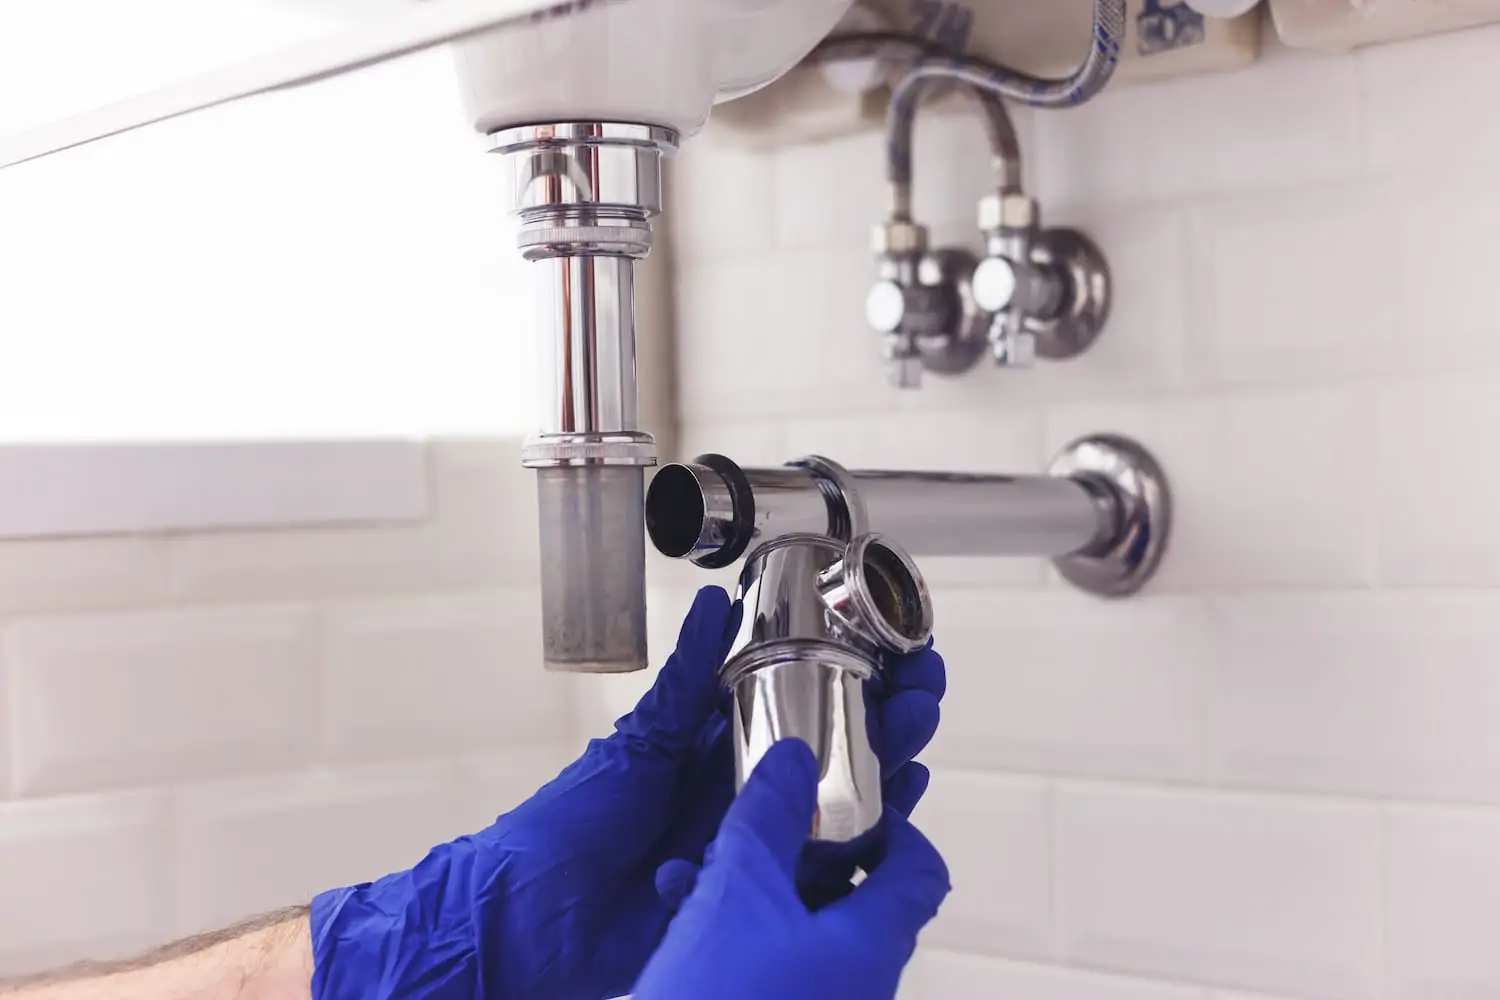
<point x="1276" y="774"/>
<point x="1443" y="867"/>
<point x="84" y="876"/>
<point x="135" y="697"/>
<point x="401" y="670"/>
<point x="993" y="831"/>
<point x="958" y="976"/>
<point x="257" y="843"/>
<point x="1262" y="893"/>
<point x="198" y="728"/>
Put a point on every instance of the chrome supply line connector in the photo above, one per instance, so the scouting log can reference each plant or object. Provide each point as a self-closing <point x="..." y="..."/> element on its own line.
<point x="584" y="195"/>
<point x="1103" y="514"/>
<point x="1038" y="292"/>
<point x="821" y="616"/>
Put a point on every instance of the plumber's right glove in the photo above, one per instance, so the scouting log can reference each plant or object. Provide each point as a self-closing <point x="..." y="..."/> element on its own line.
<point x="909" y="711"/>
<point x="745" y="934"/>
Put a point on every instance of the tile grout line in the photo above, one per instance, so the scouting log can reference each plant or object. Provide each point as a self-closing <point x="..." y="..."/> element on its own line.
<point x="1383" y="903"/>
<point x="1054" y="870"/>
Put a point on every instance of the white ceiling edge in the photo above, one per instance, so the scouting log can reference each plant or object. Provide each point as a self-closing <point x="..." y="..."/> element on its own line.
<point x="411" y="29"/>
<point x="70" y="490"/>
<point x="348" y="10"/>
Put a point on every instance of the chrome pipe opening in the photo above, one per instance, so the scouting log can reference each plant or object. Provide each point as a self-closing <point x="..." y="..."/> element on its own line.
<point x="676" y="511"/>
<point x="712" y="511"/>
<point x="821" y="616"/>
<point x="690" y="511"/>
<point x="890" y="593"/>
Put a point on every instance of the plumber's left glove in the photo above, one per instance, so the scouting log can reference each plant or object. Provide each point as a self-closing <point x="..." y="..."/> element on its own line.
<point x="558" y="899"/>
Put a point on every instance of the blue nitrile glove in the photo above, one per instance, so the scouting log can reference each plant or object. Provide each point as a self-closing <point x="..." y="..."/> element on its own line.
<point x="908" y="720"/>
<point x="745" y="933"/>
<point x="557" y="900"/>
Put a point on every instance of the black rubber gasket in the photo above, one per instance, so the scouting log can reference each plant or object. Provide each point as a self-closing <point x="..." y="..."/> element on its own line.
<point x="744" y="511"/>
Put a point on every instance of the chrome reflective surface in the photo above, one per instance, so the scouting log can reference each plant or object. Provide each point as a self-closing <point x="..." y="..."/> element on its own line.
<point x="1127" y="560"/>
<point x="807" y="662"/>
<point x="787" y="501"/>
<point x="876" y="591"/>
<point x="568" y="178"/>
<point x="587" y="307"/>
<point x="1069" y="327"/>
<point x="585" y="194"/>
<point x="1038" y="292"/>
<point x="712" y="512"/>
<point x="1048" y="291"/>
<point x="822" y="696"/>
<point x="1103" y="513"/>
<point x="693" y="514"/>
<point x="959" y="348"/>
<point x="848" y="517"/>
<point x="955" y="514"/>
<point x="933" y="513"/>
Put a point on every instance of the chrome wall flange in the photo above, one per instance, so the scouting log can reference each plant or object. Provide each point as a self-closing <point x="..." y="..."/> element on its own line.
<point x="1080" y="263"/>
<point x="1124" y="471"/>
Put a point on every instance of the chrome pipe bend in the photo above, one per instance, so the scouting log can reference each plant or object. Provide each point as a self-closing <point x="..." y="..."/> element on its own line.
<point x="821" y="617"/>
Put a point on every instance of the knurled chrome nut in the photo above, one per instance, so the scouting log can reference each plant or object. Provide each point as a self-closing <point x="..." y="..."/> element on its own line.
<point x="630" y="448"/>
<point x="1008" y="211"/>
<point x="899" y="238"/>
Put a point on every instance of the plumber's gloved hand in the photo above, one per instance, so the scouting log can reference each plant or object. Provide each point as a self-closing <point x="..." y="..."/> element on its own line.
<point x="558" y="900"/>
<point x="745" y="934"/>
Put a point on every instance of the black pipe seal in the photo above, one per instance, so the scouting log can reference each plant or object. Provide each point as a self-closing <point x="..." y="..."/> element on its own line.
<point x="743" y="526"/>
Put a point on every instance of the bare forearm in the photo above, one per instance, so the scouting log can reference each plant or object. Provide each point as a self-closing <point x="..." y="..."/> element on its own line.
<point x="266" y="959"/>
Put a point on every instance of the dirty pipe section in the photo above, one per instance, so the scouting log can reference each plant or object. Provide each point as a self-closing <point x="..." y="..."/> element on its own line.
<point x="585" y="195"/>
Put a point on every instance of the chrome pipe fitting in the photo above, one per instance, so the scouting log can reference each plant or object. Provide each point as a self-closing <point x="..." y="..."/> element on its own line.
<point x="820" y="617"/>
<point x="1103" y="514"/>
<point x="1037" y="293"/>
<point x="1046" y="291"/>
<point x="584" y="194"/>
